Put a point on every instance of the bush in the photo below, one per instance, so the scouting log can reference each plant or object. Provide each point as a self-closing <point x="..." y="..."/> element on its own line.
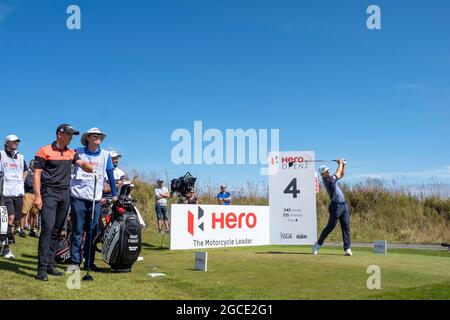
<point x="377" y="211"/>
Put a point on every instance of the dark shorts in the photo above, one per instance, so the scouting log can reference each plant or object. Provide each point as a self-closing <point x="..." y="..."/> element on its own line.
<point x="14" y="206"/>
<point x="161" y="212"/>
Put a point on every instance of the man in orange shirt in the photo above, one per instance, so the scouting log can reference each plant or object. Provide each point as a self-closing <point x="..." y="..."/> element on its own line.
<point x="51" y="186"/>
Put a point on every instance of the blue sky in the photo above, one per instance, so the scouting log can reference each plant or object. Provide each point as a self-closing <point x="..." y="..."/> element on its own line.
<point x="141" y="69"/>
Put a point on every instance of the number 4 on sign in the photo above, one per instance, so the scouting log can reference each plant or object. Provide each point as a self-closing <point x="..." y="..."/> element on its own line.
<point x="292" y="188"/>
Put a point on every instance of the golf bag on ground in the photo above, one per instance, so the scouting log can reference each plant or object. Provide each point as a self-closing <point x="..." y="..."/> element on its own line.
<point x="122" y="235"/>
<point x="63" y="250"/>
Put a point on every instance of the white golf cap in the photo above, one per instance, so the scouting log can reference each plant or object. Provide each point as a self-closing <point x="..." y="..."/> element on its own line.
<point x="323" y="169"/>
<point x="115" y="154"/>
<point x="223" y="186"/>
<point x="11" y="137"/>
<point x="91" y="131"/>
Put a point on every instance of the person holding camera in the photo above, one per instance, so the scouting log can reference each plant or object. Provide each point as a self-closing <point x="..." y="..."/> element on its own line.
<point x="190" y="197"/>
<point x="161" y="196"/>
<point x="338" y="209"/>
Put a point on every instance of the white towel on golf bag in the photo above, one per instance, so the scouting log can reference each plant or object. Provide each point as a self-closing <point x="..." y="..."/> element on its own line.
<point x="141" y="220"/>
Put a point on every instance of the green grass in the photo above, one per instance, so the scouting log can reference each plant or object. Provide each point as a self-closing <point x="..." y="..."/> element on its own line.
<point x="268" y="272"/>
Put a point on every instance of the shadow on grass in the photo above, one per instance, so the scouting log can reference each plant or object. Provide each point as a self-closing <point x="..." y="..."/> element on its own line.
<point x="16" y="267"/>
<point x="152" y="247"/>
<point x="30" y="256"/>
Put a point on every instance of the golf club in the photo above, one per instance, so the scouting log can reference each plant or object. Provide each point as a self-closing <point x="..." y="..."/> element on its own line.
<point x="162" y="239"/>
<point x="291" y="163"/>
<point x="88" y="277"/>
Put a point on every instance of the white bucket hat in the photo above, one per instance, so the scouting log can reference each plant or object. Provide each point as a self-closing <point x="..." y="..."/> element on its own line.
<point x="91" y="131"/>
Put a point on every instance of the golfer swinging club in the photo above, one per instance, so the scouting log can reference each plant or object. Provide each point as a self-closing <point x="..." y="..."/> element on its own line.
<point x="338" y="209"/>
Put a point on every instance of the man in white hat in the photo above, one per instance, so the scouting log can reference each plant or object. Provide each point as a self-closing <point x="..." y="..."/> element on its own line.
<point x="338" y="209"/>
<point x="119" y="175"/>
<point x="83" y="198"/>
<point x="14" y="169"/>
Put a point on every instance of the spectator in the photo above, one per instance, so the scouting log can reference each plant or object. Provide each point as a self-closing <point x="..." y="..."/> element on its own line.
<point x="190" y="197"/>
<point x="14" y="169"/>
<point x="29" y="211"/>
<point x="82" y="192"/>
<point x="224" y="196"/>
<point x="119" y="175"/>
<point x="51" y="186"/>
<point x="161" y="196"/>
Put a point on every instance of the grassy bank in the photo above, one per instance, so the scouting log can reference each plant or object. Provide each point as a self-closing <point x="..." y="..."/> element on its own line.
<point x="377" y="211"/>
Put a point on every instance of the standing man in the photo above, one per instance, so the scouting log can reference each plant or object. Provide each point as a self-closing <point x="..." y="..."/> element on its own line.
<point x="161" y="196"/>
<point x="14" y="169"/>
<point x="29" y="209"/>
<point x="338" y="209"/>
<point x="119" y="175"/>
<point x="224" y="196"/>
<point x="82" y="191"/>
<point x="51" y="186"/>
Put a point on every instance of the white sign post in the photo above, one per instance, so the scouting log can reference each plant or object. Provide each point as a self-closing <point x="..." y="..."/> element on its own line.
<point x="380" y="246"/>
<point x="292" y="198"/>
<point x="201" y="261"/>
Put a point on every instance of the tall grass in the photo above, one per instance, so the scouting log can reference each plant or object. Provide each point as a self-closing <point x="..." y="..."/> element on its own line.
<point x="378" y="211"/>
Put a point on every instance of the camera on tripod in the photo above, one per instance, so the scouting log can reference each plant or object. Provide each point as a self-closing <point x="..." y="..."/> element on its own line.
<point x="182" y="184"/>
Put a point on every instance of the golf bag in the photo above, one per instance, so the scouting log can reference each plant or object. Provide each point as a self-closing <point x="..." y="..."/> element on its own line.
<point x="4" y="228"/>
<point x="122" y="236"/>
<point x="63" y="251"/>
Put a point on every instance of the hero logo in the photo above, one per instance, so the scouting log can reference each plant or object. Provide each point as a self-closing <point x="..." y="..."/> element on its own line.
<point x="200" y="214"/>
<point x="274" y="160"/>
<point x="93" y="164"/>
<point x="10" y="165"/>
<point x="223" y="220"/>
<point x="290" y="160"/>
